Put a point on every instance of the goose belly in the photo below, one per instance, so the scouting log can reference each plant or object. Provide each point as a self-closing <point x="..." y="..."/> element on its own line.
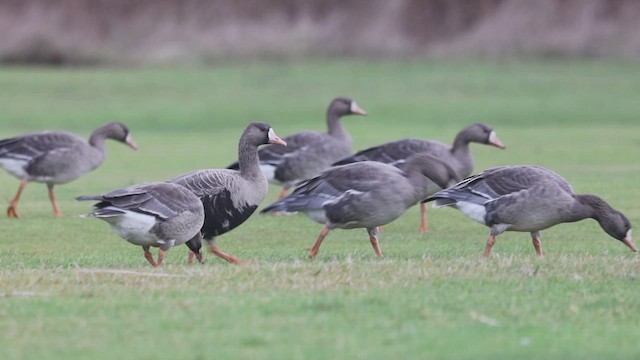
<point x="135" y="228"/>
<point x="269" y="172"/>
<point x="15" y="167"/>
<point x="222" y="220"/>
<point x="317" y="215"/>
<point x="473" y="211"/>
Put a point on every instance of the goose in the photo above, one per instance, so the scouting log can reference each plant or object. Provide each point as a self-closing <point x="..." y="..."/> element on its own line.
<point x="457" y="156"/>
<point x="308" y="152"/>
<point x="161" y="215"/>
<point x="229" y="196"/>
<point x="528" y="199"/>
<point x="365" y="194"/>
<point x="56" y="157"/>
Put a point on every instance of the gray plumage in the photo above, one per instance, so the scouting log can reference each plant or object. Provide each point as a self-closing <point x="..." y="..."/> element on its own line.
<point x="229" y="196"/>
<point x="309" y="152"/>
<point x="529" y="199"/>
<point x="366" y="194"/>
<point x="57" y="157"/>
<point x="457" y="156"/>
<point x="159" y="215"/>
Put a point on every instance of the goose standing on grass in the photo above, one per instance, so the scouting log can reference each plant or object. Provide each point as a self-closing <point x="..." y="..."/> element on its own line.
<point x="530" y="199"/>
<point x="56" y="157"/>
<point x="231" y="196"/>
<point x="309" y="152"/>
<point x="365" y="194"/>
<point x="161" y="215"/>
<point x="457" y="156"/>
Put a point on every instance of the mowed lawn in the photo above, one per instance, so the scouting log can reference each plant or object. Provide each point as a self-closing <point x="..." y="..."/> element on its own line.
<point x="72" y="289"/>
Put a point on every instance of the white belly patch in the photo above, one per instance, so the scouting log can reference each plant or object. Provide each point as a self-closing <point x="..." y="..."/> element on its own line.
<point x="473" y="211"/>
<point x="134" y="227"/>
<point x="14" y="167"/>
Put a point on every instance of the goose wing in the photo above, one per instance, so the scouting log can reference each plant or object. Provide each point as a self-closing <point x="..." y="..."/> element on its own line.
<point x="161" y="200"/>
<point x="357" y="178"/>
<point x="394" y="153"/>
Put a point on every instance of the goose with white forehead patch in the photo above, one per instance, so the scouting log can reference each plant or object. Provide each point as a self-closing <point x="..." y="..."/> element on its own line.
<point x="529" y="199"/>
<point x="309" y="152"/>
<point x="161" y="215"/>
<point x="229" y="196"/>
<point x="56" y="157"/>
<point x="457" y="156"/>
<point x="365" y="194"/>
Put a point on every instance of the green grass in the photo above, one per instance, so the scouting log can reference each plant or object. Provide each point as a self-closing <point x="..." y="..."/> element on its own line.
<point x="70" y="288"/>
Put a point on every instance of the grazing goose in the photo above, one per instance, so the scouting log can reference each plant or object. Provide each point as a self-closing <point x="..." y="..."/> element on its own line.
<point x="231" y="196"/>
<point x="457" y="156"/>
<point x="161" y="215"/>
<point x="56" y="157"/>
<point x="531" y="199"/>
<point x="365" y="194"/>
<point x="308" y="152"/>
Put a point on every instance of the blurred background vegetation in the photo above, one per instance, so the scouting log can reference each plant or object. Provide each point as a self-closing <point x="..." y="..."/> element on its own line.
<point x="207" y="31"/>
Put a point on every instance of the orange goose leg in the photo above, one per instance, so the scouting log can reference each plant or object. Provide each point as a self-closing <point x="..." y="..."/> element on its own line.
<point x="197" y="256"/>
<point x="375" y="244"/>
<point x="535" y="237"/>
<point x="423" y="219"/>
<point x="161" y="254"/>
<point x="12" y="210"/>
<point x="52" y="197"/>
<point x="149" y="257"/>
<point x="230" y="258"/>
<point x="490" y="242"/>
<point x="316" y="247"/>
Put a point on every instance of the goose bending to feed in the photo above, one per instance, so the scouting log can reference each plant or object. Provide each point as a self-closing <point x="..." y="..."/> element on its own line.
<point x="365" y="194"/>
<point x="231" y="196"/>
<point x="308" y="152"/>
<point x="457" y="156"/>
<point x="56" y="157"/>
<point x="529" y="199"/>
<point x="161" y="215"/>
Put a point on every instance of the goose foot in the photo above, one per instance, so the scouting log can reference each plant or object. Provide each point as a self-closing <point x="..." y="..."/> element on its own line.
<point x="197" y="256"/>
<point x="12" y="212"/>
<point x="230" y="258"/>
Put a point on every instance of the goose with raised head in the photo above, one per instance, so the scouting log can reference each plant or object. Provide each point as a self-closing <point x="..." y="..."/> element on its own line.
<point x="56" y="157"/>
<point x="309" y="152"/>
<point x="161" y="215"/>
<point x="457" y="156"/>
<point x="529" y="199"/>
<point x="365" y="194"/>
<point x="229" y="196"/>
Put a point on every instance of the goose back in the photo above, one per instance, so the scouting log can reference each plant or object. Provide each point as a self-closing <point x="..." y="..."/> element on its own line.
<point x="365" y="194"/>
<point x="457" y="156"/>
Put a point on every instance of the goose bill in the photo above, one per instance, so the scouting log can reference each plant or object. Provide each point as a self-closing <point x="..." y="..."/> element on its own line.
<point x="357" y="109"/>
<point x="627" y="241"/>
<point x="129" y="141"/>
<point x="274" y="139"/>
<point x="493" y="140"/>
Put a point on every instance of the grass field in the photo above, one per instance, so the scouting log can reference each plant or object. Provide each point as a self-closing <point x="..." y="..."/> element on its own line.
<point x="72" y="289"/>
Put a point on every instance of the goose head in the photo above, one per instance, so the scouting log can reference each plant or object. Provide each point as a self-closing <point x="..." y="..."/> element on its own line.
<point x="617" y="226"/>
<point x="119" y="132"/>
<point x="483" y="134"/>
<point x="342" y="106"/>
<point x="260" y="133"/>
